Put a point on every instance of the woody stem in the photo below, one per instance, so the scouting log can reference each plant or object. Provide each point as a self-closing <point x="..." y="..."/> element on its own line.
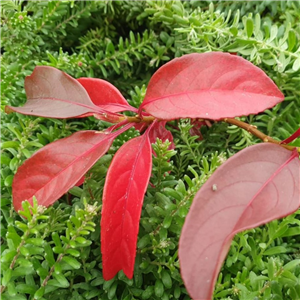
<point x="253" y="130"/>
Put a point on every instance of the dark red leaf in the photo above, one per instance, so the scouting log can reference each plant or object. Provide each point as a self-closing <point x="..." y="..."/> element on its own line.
<point x="126" y="183"/>
<point x="211" y="85"/>
<point x="295" y="135"/>
<point x="105" y="95"/>
<point x="255" y="186"/>
<point x="54" y="94"/>
<point x="57" y="167"/>
<point x="159" y="130"/>
<point x="196" y="129"/>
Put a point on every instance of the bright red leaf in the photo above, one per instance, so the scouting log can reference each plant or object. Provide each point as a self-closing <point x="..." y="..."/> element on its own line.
<point x="255" y="186"/>
<point x="126" y="183"/>
<point x="57" y="167"/>
<point x="105" y="95"/>
<point x="54" y="94"/>
<point x="212" y="85"/>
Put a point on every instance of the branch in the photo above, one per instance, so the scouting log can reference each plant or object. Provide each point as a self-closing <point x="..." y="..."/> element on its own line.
<point x="253" y="130"/>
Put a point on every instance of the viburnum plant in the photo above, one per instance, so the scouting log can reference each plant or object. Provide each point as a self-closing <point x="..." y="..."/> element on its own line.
<point x="257" y="185"/>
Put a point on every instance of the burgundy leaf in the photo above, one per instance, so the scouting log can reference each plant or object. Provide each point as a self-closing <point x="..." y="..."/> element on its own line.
<point x="159" y="130"/>
<point x="126" y="183"/>
<point x="105" y="95"/>
<point x="54" y="94"/>
<point x="255" y="186"/>
<point x="211" y="85"/>
<point x="196" y="129"/>
<point x="57" y="167"/>
<point x="295" y="135"/>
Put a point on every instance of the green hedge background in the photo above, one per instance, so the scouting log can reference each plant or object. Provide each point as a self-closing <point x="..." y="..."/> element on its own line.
<point x="55" y="253"/>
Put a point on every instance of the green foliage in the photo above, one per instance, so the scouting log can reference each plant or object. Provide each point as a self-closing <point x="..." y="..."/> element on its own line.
<point x="54" y="253"/>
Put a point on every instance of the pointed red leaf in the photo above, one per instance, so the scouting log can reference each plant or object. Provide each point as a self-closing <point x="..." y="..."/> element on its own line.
<point x="255" y="186"/>
<point x="126" y="183"/>
<point x="57" y="167"/>
<point x="211" y="85"/>
<point x="295" y="135"/>
<point x="54" y="94"/>
<point x="105" y="95"/>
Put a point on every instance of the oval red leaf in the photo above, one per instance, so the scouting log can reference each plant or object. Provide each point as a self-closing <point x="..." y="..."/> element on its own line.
<point x="105" y="95"/>
<point x="257" y="185"/>
<point x="54" y="94"/>
<point x="126" y="183"/>
<point x="212" y="85"/>
<point x="57" y="167"/>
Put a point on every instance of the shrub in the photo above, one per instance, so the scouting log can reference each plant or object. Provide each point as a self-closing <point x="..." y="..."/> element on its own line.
<point x="262" y="261"/>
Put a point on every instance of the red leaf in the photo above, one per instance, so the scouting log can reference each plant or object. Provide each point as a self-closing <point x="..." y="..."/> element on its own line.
<point x="196" y="129"/>
<point x="255" y="186"/>
<point x="292" y="137"/>
<point x="211" y="85"/>
<point x="57" y="167"/>
<point x="54" y="94"/>
<point x="105" y="95"/>
<point x="126" y="183"/>
<point x="159" y="130"/>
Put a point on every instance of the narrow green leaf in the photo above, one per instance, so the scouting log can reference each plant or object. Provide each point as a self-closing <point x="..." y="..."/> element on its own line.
<point x="249" y="27"/>
<point x="275" y="250"/>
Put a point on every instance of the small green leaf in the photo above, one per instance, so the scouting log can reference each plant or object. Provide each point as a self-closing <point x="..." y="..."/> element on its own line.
<point x="166" y="279"/>
<point x="26" y="289"/>
<point x="296" y="64"/>
<point x="72" y="262"/>
<point x="112" y="291"/>
<point x="73" y="252"/>
<point x="275" y="250"/>
<point x="158" y="288"/>
<point x="147" y="293"/>
<point x="39" y="293"/>
<point x="7" y="276"/>
<point x="63" y="282"/>
<point x="167" y="221"/>
<point x="249" y="27"/>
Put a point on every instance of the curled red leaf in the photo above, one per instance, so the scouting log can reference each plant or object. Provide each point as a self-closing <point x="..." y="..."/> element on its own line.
<point x="257" y="185"/>
<point x="54" y="94"/>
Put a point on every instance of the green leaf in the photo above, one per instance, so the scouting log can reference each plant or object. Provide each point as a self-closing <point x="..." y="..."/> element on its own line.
<point x="296" y="64"/>
<point x="7" y="276"/>
<point x="158" y="288"/>
<point x="72" y="262"/>
<point x="39" y="293"/>
<point x="166" y="279"/>
<point x="275" y="250"/>
<point x="292" y="264"/>
<point x="249" y="27"/>
<point x="25" y="288"/>
<point x="63" y="282"/>
<point x="22" y="271"/>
